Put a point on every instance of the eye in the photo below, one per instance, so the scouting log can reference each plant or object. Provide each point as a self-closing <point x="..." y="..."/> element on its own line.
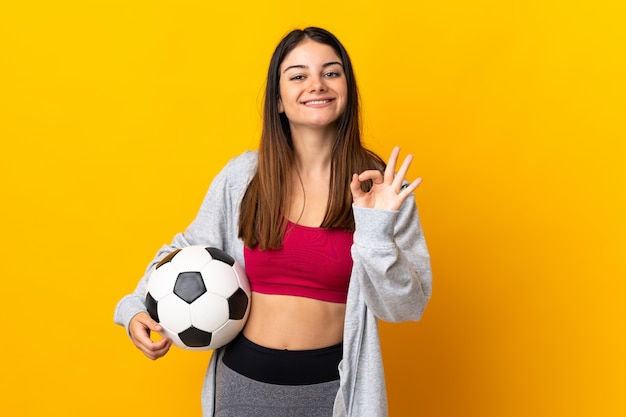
<point x="298" y="77"/>
<point x="332" y="74"/>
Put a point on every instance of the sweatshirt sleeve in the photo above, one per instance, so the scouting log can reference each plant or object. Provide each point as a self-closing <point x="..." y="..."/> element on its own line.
<point x="391" y="262"/>
<point x="214" y="225"/>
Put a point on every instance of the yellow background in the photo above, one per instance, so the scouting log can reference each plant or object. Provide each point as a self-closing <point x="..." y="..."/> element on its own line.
<point x="115" y="116"/>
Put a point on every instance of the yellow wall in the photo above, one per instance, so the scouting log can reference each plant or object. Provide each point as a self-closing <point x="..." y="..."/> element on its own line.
<point x="115" y="115"/>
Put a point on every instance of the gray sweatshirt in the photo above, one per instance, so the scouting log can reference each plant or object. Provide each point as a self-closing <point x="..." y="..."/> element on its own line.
<point x="391" y="281"/>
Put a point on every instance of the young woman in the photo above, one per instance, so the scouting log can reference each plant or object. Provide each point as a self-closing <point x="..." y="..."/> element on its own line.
<point x="330" y="238"/>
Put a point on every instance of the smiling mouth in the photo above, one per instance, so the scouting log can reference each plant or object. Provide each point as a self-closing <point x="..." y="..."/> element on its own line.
<point x="317" y="102"/>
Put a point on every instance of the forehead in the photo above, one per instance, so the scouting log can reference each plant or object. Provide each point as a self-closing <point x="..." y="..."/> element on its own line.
<point x="310" y="53"/>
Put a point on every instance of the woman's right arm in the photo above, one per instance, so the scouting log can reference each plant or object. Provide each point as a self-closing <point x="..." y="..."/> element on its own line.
<point x="214" y="225"/>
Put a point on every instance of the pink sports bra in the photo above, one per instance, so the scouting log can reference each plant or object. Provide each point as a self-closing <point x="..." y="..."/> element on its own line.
<point x="313" y="263"/>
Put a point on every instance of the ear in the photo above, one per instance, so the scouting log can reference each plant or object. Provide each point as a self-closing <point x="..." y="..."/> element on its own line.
<point x="281" y="108"/>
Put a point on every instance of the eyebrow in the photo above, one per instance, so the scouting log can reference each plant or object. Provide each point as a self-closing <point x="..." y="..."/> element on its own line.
<point x="306" y="66"/>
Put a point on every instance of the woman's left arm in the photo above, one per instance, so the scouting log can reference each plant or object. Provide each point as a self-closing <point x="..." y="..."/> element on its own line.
<point x="391" y="259"/>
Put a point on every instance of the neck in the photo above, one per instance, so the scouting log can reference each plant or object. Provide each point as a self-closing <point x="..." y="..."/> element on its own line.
<point x="312" y="151"/>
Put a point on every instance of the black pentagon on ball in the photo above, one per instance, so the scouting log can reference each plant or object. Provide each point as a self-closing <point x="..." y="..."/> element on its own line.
<point x="220" y="255"/>
<point x="237" y="305"/>
<point x="193" y="337"/>
<point x="189" y="286"/>
<point x="151" y="305"/>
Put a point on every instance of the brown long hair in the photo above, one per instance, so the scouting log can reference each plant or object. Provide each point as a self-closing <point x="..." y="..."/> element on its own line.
<point x="261" y="217"/>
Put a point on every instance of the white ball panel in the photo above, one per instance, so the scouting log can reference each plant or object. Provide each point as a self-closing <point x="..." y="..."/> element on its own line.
<point x="172" y="335"/>
<point x="174" y="313"/>
<point x="191" y="258"/>
<point x="161" y="281"/>
<point x="220" y="279"/>
<point x="209" y="312"/>
<point x="226" y="333"/>
<point x="242" y="278"/>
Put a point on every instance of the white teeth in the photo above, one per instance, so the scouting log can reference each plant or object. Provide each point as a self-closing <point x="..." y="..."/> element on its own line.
<point x="317" y="102"/>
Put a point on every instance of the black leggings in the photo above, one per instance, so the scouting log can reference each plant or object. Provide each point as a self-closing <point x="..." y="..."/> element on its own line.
<point x="283" y="367"/>
<point x="253" y="380"/>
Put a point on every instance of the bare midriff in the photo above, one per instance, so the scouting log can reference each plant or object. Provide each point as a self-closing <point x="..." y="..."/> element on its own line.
<point x="294" y="323"/>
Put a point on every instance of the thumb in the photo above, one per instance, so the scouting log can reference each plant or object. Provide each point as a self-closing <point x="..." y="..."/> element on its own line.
<point x="149" y="322"/>
<point x="355" y="186"/>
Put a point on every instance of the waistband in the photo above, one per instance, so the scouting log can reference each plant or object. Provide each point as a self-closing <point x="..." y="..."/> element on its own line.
<point x="283" y="367"/>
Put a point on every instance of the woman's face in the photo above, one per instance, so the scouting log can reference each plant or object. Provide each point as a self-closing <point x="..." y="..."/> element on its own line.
<point x="313" y="88"/>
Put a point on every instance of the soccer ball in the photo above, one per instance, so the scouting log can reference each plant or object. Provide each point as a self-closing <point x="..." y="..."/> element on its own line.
<point x="200" y="296"/>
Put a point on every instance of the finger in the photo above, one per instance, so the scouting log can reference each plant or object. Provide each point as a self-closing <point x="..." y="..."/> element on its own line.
<point x="149" y="322"/>
<point x="399" y="179"/>
<point x="154" y="326"/>
<point x="159" y="348"/>
<point x="155" y="354"/>
<point x="141" y="337"/>
<point x="153" y="349"/>
<point x="390" y="171"/>
<point x="371" y="174"/>
<point x="409" y="189"/>
<point x="355" y="187"/>
<point x="140" y="327"/>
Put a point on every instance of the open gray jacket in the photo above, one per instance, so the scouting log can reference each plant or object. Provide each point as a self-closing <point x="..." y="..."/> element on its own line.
<point x="391" y="281"/>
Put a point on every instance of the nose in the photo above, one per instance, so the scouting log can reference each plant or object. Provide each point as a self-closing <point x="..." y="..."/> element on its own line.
<point x="317" y="85"/>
